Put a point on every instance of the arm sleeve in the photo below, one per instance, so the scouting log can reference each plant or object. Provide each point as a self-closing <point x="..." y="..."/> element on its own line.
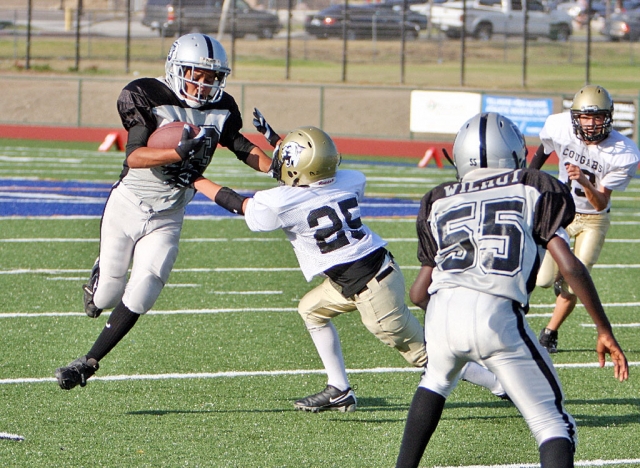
<point x="555" y="209"/>
<point x="136" y="116"/>
<point x="138" y="136"/>
<point x="427" y="246"/>
<point x="231" y="137"/>
<point x="539" y="158"/>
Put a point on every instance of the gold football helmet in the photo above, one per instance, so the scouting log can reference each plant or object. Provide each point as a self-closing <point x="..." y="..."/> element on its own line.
<point x="592" y="100"/>
<point x="306" y="155"/>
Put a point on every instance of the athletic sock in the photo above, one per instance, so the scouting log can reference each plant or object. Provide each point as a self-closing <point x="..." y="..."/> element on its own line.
<point x="120" y="322"/>
<point x="422" y="420"/>
<point x="556" y="453"/>
<point x="328" y="346"/>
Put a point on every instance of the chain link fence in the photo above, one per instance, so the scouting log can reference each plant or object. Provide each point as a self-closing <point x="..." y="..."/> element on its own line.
<point x="356" y="87"/>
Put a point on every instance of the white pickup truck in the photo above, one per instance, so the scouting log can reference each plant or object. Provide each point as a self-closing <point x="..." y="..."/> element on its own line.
<point x="488" y="17"/>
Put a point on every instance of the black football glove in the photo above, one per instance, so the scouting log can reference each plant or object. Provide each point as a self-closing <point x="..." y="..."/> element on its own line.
<point x="263" y="127"/>
<point x="182" y="176"/>
<point x="275" y="169"/>
<point x="188" y="146"/>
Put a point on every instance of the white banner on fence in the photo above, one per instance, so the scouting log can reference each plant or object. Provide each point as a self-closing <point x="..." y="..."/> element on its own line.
<point x="441" y="111"/>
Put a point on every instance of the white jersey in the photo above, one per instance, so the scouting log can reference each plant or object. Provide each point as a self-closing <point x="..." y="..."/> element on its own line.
<point x="483" y="233"/>
<point x="610" y="163"/>
<point x="321" y="221"/>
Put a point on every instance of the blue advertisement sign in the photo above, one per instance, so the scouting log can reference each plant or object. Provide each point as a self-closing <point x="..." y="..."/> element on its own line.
<point x="528" y="114"/>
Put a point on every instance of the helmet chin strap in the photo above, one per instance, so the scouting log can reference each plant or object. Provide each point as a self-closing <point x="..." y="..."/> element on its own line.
<point x="191" y="103"/>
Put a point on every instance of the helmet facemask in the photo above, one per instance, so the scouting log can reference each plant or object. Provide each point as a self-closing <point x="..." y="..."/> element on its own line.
<point x="592" y="133"/>
<point x="193" y="54"/>
<point x="592" y="101"/>
<point x="205" y="92"/>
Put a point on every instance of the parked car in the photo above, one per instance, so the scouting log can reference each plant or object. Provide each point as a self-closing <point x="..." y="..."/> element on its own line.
<point x="364" y="21"/>
<point x="578" y="9"/>
<point x="396" y="5"/>
<point x="623" y="26"/>
<point x="204" y="16"/>
<point x="487" y="17"/>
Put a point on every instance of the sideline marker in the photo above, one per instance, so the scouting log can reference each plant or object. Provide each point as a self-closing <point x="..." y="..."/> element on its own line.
<point x="431" y="153"/>
<point x="111" y="139"/>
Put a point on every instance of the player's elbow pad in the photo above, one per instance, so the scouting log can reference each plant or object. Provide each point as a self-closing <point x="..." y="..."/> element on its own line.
<point x="230" y="200"/>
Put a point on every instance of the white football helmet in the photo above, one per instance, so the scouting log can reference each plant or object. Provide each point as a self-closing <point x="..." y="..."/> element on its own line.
<point x="197" y="51"/>
<point x="488" y="140"/>
<point x="306" y="155"/>
<point x="592" y="100"/>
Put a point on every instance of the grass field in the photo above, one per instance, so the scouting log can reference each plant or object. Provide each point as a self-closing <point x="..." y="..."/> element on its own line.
<point x="209" y="376"/>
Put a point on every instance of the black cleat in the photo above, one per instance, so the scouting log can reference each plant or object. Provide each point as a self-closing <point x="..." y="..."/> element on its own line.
<point x="329" y="399"/>
<point x="76" y="373"/>
<point x="549" y="340"/>
<point x="557" y="285"/>
<point x="89" y="307"/>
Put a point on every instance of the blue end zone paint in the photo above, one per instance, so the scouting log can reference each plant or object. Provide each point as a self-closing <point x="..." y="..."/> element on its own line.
<point x="59" y="198"/>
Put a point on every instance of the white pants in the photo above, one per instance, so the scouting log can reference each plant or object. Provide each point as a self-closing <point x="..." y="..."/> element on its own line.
<point x="464" y="325"/>
<point x="131" y="230"/>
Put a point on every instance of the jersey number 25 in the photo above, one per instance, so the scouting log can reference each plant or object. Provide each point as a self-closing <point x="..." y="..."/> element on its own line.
<point x="323" y="235"/>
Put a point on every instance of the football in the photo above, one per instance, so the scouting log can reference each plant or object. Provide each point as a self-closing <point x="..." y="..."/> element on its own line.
<point x="168" y="136"/>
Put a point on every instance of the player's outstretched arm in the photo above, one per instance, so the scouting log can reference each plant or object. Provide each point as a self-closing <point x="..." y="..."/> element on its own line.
<point x="578" y="277"/>
<point x="258" y="160"/>
<point x="261" y="124"/>
<point x="223" y="196"/>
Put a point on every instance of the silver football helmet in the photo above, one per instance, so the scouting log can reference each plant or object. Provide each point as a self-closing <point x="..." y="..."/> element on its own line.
<point x="488" y="140"/>
<point x="197" y="51"/>
<point x="306" y="155"/>
<point x="592" y="100"/>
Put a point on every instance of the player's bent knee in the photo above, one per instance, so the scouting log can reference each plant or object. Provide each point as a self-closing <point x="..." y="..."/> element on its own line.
<point x="141" y="297"/>
<point x="544" y="284"/>
<point x="109" y="292"/>
<point x="405" y="334"/>
<point x="416" y="355"/>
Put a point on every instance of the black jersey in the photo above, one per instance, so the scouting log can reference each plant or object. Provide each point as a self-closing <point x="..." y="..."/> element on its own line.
<point x="148" y="103"/>
<point x="490" y="229"/>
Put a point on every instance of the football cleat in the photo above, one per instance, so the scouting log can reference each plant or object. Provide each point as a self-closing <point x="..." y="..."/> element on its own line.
<point x="89" y="307"/>
<point x="76" y="373"/>
<point x="557" y="285"/>
<point x="549" y="340"/>
<point x="329" y="399"/>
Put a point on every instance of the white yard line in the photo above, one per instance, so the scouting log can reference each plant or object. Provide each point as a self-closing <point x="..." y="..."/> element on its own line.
<point x="232" y="374"/>
<point x="630" y="461"/>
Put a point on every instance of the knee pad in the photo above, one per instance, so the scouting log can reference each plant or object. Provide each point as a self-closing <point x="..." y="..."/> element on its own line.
<point x="109" y="292"/>
<point x="141" y="295"/>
